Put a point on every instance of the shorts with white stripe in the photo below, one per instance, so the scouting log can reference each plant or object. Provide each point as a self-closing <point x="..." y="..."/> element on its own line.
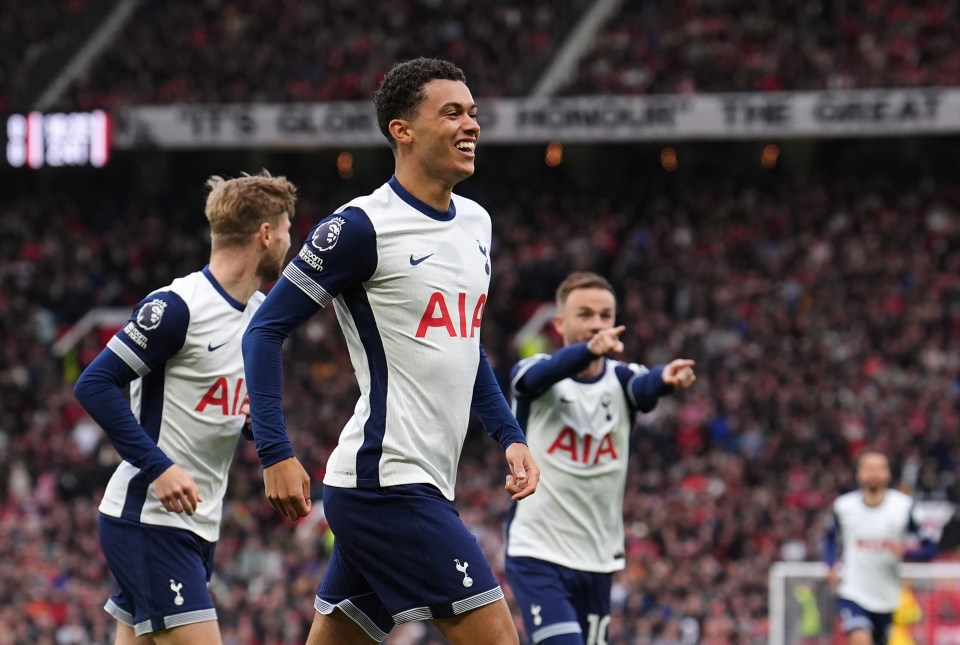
<point x="561" y="606"/>
<point x="401" y="553"/>
<point x="161" y="572"/>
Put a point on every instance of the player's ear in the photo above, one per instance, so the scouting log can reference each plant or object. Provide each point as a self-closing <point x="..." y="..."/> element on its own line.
<point x="558" y="324"/>
<point x="400" y="130"/>
<point x="264" y="233"/>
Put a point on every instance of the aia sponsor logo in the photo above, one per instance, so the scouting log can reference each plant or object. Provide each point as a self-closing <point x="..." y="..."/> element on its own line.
<point x="585" y="449"/>
<point x="456" y="318"/>
<point x="878" y="546"/>
<point x="224" y="398"/>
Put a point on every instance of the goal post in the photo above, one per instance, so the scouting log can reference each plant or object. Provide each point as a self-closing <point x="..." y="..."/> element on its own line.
<point x="802" y="608"/>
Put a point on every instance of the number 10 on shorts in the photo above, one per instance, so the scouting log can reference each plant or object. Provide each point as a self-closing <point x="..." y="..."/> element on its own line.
<point x="597" y="634"/>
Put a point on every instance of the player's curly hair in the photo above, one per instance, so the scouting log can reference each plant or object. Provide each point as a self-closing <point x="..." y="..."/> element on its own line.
<point x="401" y="92"/>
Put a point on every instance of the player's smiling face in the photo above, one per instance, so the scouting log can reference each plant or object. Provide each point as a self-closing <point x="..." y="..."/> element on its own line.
<point x="585" y="312"/>
<point x="446" y="130"/>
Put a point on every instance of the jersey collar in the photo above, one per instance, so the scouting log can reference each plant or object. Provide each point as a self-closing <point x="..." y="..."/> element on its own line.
<point x="593" y="379"/>
<point x="233" y="302"/>
<point x="426" y="209"/>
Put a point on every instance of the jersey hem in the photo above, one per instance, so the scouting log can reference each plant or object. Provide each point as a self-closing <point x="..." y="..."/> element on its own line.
<point x="576" y="565"/>
<point x="416" y="478"/>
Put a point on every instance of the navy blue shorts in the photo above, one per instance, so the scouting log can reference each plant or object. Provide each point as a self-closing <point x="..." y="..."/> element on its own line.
<point x="559" y="604"/>
<point x="854" y="617"/>
<point x="401" y="553"/>
<point x="161" y="574"/>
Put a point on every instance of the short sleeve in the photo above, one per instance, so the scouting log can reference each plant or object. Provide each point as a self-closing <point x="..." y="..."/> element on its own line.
<point x="340" y="252"/>
<point x="155" y="332"/>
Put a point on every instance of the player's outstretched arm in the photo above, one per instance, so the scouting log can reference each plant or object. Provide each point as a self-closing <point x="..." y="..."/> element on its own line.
<point x="534" y="376"/>
<point x="524" y="472"/>
<point x="287" y="486"/>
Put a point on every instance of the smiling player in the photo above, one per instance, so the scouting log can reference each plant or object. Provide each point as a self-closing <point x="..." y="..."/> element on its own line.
<point x="407" y="269"/>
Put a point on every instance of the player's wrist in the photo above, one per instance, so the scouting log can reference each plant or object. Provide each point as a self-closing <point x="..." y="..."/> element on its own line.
<point x="592" y="351"/>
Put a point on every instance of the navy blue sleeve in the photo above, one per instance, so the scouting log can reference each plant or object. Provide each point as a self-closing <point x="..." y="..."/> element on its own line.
<point x="340" y="253"/>
<point x="539" y="374"/>
<point x="830" y="540"/>
<point x="490" y="406"/>
<point x="100" y="390"/>
<point x="927" y="548"/>
<point x="643" y="387"/>
<point x="155" y="333"/>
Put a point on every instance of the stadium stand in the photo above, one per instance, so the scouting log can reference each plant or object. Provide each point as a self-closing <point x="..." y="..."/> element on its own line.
<point x="738" y="45"/>
<point x="221" y="52"/>
<point x="822" y="312"/>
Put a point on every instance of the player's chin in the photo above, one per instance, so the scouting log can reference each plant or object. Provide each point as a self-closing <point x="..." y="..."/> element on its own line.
<point x="466" y="169"/>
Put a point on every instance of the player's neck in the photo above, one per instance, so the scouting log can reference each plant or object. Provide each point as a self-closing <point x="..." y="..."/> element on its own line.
<point x="236" y="272"/>
<point x="873" y="498"/>
<point x="593" y="370"/>
<point x="429" y="190"/>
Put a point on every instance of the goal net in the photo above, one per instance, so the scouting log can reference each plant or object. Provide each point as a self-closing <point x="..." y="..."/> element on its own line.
<point x="803" y="612"/>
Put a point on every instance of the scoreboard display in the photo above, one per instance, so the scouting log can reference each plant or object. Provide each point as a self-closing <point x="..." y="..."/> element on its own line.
<point x="35" y="139"/>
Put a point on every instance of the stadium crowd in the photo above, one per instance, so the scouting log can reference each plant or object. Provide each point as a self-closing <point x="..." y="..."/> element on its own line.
<point x="221" y="51"/>
<point x="742" y="45"/>
<point x="824" y="314"/>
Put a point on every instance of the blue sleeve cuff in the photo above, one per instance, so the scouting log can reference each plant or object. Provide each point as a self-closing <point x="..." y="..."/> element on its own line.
<point x="490" y="406"/>
<point x="643" y="389"/>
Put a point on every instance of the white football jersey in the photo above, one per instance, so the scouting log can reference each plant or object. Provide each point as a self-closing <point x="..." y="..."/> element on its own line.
<point x="873" y="537"/>
<point x="409" y="284"/>
<point x="579" y="434"/>
<point x="184" y="342"/>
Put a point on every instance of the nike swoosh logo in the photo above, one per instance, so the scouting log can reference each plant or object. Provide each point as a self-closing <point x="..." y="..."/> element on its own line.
<point x="415" y="262"/>
<point x="212" y="348"/>
<point x="564" y="399"/>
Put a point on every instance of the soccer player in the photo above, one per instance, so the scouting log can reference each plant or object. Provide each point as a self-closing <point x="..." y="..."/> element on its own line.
<point x="874" y="522"/>
<point x="407" y="269"/>
<point x="577" y="408"/>
<point x="180" y="354"/>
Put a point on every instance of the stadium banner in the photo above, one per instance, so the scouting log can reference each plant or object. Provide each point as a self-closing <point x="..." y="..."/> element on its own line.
<point x="582" y="119"/>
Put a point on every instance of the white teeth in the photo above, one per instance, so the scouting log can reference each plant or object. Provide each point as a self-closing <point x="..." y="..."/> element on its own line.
<point x="466" y="146"/>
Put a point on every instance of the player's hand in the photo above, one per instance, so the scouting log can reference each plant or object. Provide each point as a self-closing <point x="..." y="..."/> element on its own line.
<point x="247" y="430"/>
<point x="524" y="472"/>
<point x="833" y="578"/>
<point x="679" y="373"/>
<point x="177" y="491"/>
<point x="606" y="342"/>
<point x="287" y="487"/>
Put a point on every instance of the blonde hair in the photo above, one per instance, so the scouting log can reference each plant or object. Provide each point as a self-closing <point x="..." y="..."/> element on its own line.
<point x="236" y="207"/>
<point x="581" y="280"/>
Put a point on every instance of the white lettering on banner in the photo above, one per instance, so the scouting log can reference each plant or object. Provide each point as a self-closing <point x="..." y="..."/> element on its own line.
<point x="922" y="107"/>
<point x="756" y="111"/>
<point x="584" y="119"/>
<point x="602" y="115"/>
